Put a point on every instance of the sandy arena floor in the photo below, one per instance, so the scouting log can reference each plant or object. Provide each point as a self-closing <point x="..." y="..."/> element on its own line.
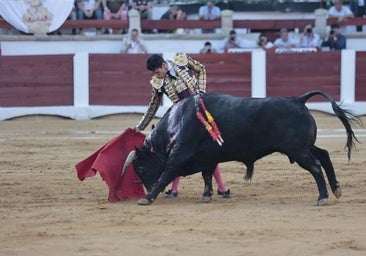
<point x="46" y="210"/>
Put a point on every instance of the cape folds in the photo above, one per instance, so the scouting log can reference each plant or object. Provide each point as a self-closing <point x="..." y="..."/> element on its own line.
<point x="109" y="160"/>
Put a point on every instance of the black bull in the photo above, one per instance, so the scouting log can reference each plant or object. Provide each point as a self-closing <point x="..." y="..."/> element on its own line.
<point x="251" y="129"/>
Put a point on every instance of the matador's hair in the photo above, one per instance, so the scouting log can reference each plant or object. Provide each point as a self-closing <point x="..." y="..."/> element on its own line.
<point x="154" y="61"/>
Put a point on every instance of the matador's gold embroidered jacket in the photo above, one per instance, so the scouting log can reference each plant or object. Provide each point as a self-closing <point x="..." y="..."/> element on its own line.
<point x="190" y="80"/>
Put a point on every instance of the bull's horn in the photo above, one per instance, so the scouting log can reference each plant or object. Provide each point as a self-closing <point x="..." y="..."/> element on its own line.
<point x="131" y="156"/>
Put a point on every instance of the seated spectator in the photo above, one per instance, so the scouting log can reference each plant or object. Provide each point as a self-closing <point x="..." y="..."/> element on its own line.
<point x="89" y="9"/>
<point x="232" y="41"/>
<point x="309" y="38"/>
<point x="209" y="12"/>
<point x="358" y="7"/>
<point x="133" y="43"/>
<point x="173" y="13"/>
<point x="263" y="42"/>
<point x="342" y="13"/>
<point x="73" y="15"/>
<point x="284" y="41"/>
<point x="207" y="48"/>
<point x="114" y="9"/>
<point x="335" y="40"/>
<point x="144" y="7"/>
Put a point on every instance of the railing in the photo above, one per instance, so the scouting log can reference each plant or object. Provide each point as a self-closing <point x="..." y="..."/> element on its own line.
<point x="357" y="21"/>
<point x="175" y="24"/>
<point x="262" y="25"/>
<point x="114" y="24"/>
<point x="272" y="24"/>
<point x="5" y="24"/>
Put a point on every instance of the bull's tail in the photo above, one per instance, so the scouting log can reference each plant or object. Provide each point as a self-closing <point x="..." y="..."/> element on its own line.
<point x="347" y="117"/>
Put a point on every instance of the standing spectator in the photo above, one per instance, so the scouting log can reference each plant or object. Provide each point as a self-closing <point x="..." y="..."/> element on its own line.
<point x="341" y="12"/>
<point x="207" y="48"/>
<point x="209" y="12"/>
<point x="143" y="7"/>
<point x="335" y="40"/>
<point x="284" y="41"/>
<point x="133" y="43"/>
<point x="263" y="42"/>
<point x="114" y="9"/>
<point x="309" y="38"/>
<point x="173" y="13"/>
<point x="358" y="9"/>
<point x="232" y="41"/>
<point x="89" y="9"/>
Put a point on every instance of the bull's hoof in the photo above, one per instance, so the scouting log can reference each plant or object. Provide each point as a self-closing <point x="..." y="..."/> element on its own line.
<point x="337" y="192"/>
<point x="205" y="199"/>
<point x="143" y="201"/>
<point x="322" y="201"/>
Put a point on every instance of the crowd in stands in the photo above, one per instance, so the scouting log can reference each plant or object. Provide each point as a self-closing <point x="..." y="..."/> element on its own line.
<point x="308" y="39"/>
<point x="118" y="10"/>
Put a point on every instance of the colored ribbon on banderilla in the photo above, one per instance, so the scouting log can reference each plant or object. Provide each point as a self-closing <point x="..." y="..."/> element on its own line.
<point x="210" y="123"/>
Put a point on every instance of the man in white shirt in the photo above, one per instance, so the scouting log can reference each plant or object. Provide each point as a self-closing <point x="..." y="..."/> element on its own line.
<point x="284" y="41"/>
<point x="231" y="42"/>
<point x="209" y="12"/>
<point x="89" y="9"/>
<point x="133" y="43"/>
<point x="342" y="13"/>
<point x="309" y="38"/>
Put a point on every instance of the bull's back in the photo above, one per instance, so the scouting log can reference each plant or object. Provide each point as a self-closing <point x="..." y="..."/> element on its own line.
<point x="273" y="124"/>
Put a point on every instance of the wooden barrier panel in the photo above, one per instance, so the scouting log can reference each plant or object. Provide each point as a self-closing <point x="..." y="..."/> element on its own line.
<point x="291" y="74"/>
<point x="119" y="79"/>
<point x="36" y="81"/>
<point x="122" y="79"/>
<point x="360" y="89"/>
<point x="227" y="73"/>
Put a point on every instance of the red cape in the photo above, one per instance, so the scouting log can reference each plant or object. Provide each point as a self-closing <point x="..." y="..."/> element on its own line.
<point x="109" y="160"/>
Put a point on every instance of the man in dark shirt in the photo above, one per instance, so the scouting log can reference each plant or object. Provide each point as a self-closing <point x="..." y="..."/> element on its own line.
<point x="335" y="40"/>
<point x="143" y="7"/>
